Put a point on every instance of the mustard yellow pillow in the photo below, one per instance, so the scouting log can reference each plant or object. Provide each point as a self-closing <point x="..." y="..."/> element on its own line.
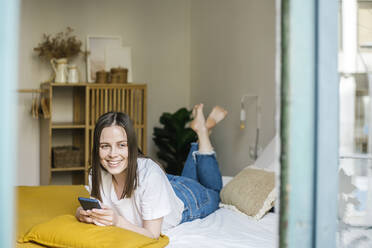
<point x="67" y="231"/>
<point x="37" y="204"/>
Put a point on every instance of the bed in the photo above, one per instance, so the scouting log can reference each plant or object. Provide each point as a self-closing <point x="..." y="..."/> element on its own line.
<point x="46" y="216"/>
<point x="226" y="228"/>
<point x="230" y="227"/>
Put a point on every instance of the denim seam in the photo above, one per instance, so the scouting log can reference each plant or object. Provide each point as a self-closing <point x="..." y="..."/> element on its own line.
<point x="185" y="197"/>
<point x="192" y="195"/>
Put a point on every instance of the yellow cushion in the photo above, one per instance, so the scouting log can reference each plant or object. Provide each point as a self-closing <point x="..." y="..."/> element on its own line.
<point x="37" y="204"/>
<point x="28" y="245"/>
<point x="67" y="231"/>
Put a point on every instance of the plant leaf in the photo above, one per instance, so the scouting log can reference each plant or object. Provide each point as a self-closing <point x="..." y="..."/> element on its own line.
<point x="173" y="139"/>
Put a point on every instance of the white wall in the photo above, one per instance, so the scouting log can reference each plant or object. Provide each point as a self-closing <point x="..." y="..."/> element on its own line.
<point x="232" y="54"/>
<point x="158" y="32"/>
<point x="186" y="51"/>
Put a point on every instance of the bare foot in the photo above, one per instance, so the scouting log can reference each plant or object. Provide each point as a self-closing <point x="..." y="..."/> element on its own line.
<point x="193" y="113"/>
<point x="198" y="124"/>
<point x="217" y="115"/>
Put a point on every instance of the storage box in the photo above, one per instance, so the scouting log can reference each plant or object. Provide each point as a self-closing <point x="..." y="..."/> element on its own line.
<point x="67" y="156"/>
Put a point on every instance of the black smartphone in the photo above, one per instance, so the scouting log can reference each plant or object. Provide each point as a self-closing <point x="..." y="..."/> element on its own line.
<point x="88" y="203"/>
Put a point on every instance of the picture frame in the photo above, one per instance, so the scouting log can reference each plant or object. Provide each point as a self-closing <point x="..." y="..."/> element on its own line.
<point x="119" y="57"/>
<point x="96" y="46"/>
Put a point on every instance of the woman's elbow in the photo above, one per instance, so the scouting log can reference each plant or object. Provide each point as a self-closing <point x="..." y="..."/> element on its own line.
<point x="154" y="235"/>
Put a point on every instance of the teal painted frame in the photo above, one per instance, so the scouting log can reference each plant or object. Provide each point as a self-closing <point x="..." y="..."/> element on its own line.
<point x="309" y="123"/>
<point x="9" y="19"/>
<point x="327" y="122"/>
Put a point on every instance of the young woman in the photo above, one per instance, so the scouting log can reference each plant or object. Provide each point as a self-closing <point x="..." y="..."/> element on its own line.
<point x="134" y="191"/>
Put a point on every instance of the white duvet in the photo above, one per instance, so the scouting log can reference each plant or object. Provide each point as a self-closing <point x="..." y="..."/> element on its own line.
<point x="225" y="228"/>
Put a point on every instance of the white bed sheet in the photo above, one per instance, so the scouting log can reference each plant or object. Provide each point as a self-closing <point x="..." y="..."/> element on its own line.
<point x="224" y="229"/>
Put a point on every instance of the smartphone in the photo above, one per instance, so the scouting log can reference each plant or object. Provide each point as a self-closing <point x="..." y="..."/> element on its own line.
<point x="88" y="203"/>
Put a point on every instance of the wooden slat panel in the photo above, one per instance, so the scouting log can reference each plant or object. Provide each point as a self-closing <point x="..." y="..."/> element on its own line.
<point x="144" y="120"/>
<point x="141" y="107"/>
<point x="135" y="106"/>
<point x="101" y="102"/>
<point x="98" y="105"/>
<point x="108" y="100"/>
<point x="88" y="97"/>
<point x="91" y="107"/>
<point x="132" y="105"/>
<point x="138" y="98"/>
<point x="139" y="137"/>
<point x="105" y="102"/>
<point x="114" y="94"/>
<point x="127" y="104"/>
<point x="91" y="145"/>
<point x="119" y="100"/>
<point x="111" y="98"/>
<point x="127" y="101"/>
<point x="122" y="100"/>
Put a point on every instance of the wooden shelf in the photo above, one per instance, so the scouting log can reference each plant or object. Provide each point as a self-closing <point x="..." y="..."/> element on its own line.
<point x="89" y="101"/>
<point x="67" y="84"/>
<point x="135" y="126"/>
<point x="68" y="169"/>
<point x="84" y="84"/>
<point x="67" y="125"/>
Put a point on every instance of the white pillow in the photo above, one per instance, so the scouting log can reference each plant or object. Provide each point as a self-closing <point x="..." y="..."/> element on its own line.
<point x="226" y="180"/>
<point x="268" y="156"/>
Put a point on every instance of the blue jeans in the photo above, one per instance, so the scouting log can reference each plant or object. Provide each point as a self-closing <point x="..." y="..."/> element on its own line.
<point x="199" y="185"/>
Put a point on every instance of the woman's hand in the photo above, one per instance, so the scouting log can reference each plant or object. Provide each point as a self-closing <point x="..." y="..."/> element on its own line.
<point x="104" y="217"/>
<point x="83" y="216"/>
<point x="107" y="217"/>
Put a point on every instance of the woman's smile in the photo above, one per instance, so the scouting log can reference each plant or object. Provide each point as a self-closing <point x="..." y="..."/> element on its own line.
<point x="113" y="163"/>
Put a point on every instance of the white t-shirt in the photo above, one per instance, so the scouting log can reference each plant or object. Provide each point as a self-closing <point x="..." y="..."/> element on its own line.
<point x="153" y="198"/>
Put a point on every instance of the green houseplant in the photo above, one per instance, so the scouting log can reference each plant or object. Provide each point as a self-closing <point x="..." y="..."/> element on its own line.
<point x="173" y="139"/>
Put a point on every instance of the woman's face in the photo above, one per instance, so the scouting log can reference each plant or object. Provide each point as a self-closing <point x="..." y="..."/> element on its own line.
<point x="113" y="149"/>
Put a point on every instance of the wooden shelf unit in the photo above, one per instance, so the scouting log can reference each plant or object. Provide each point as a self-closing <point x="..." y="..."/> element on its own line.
<point x="89" y="102"/>
<point x="69" y="169"/>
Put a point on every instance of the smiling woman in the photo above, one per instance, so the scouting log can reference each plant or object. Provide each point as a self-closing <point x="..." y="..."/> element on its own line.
<point x="135" y="192"/>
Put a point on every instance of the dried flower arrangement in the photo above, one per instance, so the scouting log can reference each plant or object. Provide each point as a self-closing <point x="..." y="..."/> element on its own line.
<point x="62" y="45"/>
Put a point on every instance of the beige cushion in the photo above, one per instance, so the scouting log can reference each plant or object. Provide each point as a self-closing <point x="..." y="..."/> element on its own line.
<point x="252" y="192"/>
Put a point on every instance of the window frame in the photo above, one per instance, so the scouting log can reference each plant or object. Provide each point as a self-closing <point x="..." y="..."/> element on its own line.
<point x="308" y="123"/>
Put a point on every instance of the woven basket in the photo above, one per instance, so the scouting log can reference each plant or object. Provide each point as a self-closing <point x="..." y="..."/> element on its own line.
<point x="102" y="77"/>
<point x="67" y="156"/>
<point x="119" y="75"/>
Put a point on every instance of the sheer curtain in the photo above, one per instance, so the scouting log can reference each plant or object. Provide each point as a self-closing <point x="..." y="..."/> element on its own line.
<point x="369" y="121"/>
<point x="347" y="113"/>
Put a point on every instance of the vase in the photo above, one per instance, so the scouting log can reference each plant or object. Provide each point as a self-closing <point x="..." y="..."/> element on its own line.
<point x="73" y="74"/>
<point x="60" y="70"/>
